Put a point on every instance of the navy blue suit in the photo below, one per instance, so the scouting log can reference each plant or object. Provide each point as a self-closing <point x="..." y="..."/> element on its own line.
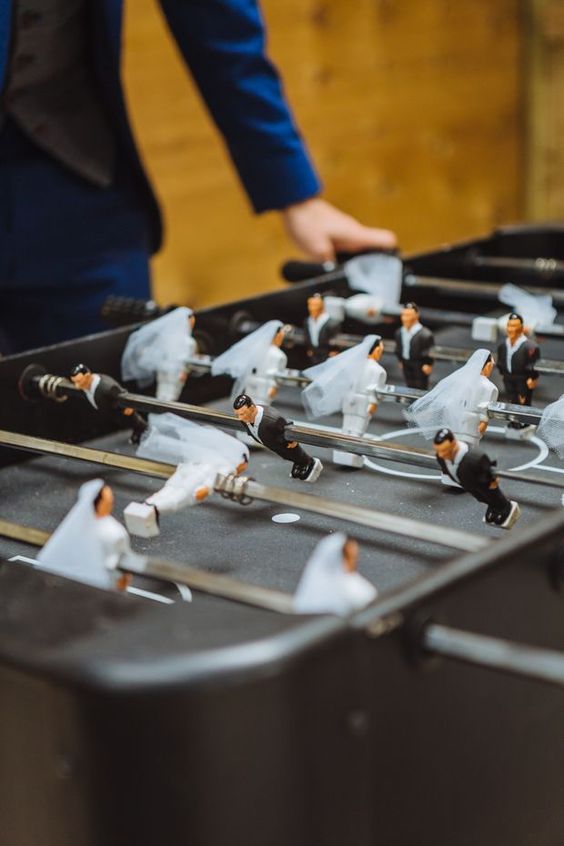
<point x="62" y="233"/>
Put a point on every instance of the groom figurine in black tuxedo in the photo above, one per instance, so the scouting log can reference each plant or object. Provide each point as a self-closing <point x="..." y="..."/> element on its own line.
<point x="516" y="359"/>
<point x="474" y="471"/>
<point x="103" y="392"/>
<point x="266" y="427"/>
<point x="413" y="346"/>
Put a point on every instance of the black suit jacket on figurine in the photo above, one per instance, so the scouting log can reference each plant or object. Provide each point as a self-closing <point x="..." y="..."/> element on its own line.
<point x="107" y="393"/>
<point x="523" y="360"/>
<point x="475" y="471"/>
<point x="419" y="346"/>
<point x="271" y="432"/>
<point x="327" y="332"/>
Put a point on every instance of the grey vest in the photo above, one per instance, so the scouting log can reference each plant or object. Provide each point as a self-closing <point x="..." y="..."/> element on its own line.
<point x="51" y="92"/>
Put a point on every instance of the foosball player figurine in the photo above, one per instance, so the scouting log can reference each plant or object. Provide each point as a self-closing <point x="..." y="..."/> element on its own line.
<point x="160" y="351"/>
<point x="103" y="393"/>
<point x="474" y="471"/>
<point x="267" y="428"/>
<point x="199" y="453"/>
<point x="459" y="401"/>
<point x="255" y="361"/>
<point x="319" y="329"/>
<point x="516" y="359"/>
<point x="347" y="383"/>
<point x="331" y="583"/>
<point x="89" y="544"/>
<point x="413" y="346"/>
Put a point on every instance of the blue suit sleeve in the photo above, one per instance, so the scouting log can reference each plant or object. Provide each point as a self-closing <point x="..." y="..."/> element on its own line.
<point x="223" y="43"/>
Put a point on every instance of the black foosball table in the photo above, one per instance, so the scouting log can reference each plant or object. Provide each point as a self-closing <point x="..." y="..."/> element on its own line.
<point x="434" y="717"/>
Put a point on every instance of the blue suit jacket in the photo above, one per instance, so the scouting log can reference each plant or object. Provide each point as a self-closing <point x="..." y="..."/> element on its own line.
<point x="223" y="43"/>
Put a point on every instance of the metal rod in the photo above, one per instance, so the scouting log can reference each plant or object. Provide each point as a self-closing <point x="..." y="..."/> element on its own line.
<point x="237" y="487"/>
<point x="391" y="523"/>
<point x="325" y="438"/>
<point x="16" y="531"/>
<point x="170" y="571"/>
<point x="539" y="266"/>
<point x="96" y="456"/>
<point x="222" y="586"/>
<point x="516" y="658"/>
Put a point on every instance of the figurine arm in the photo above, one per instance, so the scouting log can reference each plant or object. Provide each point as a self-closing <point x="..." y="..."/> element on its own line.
<point x="428" y="360"/>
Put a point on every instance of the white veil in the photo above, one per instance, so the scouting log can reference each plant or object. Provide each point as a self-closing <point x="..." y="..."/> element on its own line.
<point x="551" y="426"/>
<point x="535" y="309"/>
<point x="448" y="403"/>
<point x="173" y="439"/>
<point x="162" y="344"/>
<point x="326" y="587"/>
<point x="332" y="379"/>
<point x="377" y="274"/>
<point x="239" y="360"/>
<point x="75" y="549"/>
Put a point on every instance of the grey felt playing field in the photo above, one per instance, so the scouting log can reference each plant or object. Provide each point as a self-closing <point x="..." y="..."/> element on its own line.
<point x="223" y="537"/>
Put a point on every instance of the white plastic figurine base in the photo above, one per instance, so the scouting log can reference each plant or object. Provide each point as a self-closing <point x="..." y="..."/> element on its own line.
<point x="511" y="518"/>
<point x="141" y="520"/>
<point x="348" y="459"/>
<point x="315" y="471"/>
<point x="524" y="434"/>
<point x="485" y="329"/>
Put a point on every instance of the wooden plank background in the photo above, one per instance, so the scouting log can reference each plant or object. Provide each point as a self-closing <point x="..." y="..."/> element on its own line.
<point x="545" y="114"/>
<point x="413" y="111"/>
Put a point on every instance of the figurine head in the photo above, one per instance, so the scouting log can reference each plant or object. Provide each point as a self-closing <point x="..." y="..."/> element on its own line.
<point x="192" y="321"/>
<point x="488" y="366"/>
<point x="445" y="444"/>
<point x="350" y="555"/>
<point x="81" y="376"/>
<point x="104" y="502"/>
<point x="409" y="315"/>
<point x="514" y="326"/>
<point x="280" y="335"/>
<point x="245" y="409"/>
<point x="376" y="350"/>
<point x="315" y="306"/>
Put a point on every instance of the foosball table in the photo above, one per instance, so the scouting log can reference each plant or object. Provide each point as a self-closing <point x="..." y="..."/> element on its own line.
<point x="434" y="716"/>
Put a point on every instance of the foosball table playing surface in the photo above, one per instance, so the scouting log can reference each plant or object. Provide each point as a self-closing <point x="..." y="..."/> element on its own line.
<point x="433" y="716"/>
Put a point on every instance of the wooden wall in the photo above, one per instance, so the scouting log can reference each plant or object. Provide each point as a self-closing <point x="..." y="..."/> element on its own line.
<point x="545" y="171"/>
<point x="413" y="112"/>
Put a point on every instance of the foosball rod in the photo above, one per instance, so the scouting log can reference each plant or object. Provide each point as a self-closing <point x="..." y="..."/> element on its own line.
<point x="34" y="386"/>
<point x="345" y="341"/>
<point x="399" y="393"/>
<point x="243" y="490"/>
<point x="518" y="659"/>
<point x="300" y="271"/>
<point x="171" y="571"/>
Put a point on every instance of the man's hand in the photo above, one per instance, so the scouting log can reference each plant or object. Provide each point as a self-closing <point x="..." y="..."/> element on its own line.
<point x="320" y="230"/>
<point x="427" y="369"/>
<point x="531" y="385"/>
<point x="482" y="426"/>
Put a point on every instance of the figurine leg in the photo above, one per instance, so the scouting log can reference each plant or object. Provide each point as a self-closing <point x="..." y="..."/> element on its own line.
<point x="516" y="389"/>
<point x="355" y="422"/>
<point x="169" y="387"/>
<point x="501" y="512"/>
<point x="414" y="376"/>
<point x="257" y="387"/>
<point x="142" y="519"/>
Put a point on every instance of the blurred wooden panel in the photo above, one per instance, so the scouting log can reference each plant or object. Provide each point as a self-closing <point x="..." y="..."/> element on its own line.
<point x="545" y="197"/>
<point x="413" y="113"/>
